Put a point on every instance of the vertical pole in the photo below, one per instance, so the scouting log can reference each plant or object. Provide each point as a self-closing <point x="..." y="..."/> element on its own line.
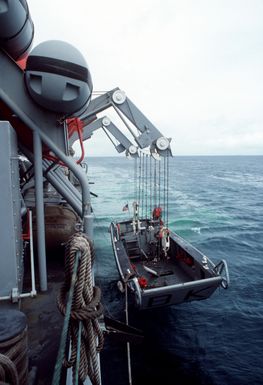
<point x="40" y="216"/>
<point x="33" y="280"/>
<point x="88" y="220"/>
<point x="128" y="344"/>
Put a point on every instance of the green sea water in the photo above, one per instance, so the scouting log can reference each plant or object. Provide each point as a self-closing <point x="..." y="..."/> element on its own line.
<point x="216" y="203"/>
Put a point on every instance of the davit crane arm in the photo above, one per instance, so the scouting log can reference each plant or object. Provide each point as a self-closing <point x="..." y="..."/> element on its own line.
<point x="148" y="135"/>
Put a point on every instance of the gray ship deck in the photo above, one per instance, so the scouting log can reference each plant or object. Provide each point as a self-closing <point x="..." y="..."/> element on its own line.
<point x="44" y="324"/>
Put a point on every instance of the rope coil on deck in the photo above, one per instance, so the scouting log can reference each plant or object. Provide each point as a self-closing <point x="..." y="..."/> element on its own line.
<point x="14" y="360"/>
<point x="8" y="371"/>
<point x="85" y="310"/>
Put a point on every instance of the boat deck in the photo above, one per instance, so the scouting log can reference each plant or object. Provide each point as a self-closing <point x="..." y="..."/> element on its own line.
<point x="168" y="272"/>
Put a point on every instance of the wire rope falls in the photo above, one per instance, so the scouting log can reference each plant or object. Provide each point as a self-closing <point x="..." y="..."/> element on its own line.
<point x="79" y="301"/>
<point x="151" y="185"/>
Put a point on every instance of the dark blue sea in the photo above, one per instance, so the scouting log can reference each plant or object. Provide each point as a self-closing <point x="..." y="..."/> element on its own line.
<point x="216" y="203"/>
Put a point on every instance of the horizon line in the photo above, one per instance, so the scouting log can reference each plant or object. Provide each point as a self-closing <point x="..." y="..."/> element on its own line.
<point x="177" y="155"/>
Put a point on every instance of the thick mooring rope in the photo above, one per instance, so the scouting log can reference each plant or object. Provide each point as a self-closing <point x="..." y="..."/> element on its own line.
<point x="8" y="371"/>
<point x="13" y="360"/>
<point x="85" y="310"/>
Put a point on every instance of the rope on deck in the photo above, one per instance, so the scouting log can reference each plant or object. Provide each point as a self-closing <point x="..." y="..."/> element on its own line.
<point x="14" y="360"/>
<point x="8" y="371"/>
<point x="85" y="309"/>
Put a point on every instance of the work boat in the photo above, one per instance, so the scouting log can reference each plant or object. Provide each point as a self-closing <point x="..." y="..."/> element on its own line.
<point x="159" y="267"/>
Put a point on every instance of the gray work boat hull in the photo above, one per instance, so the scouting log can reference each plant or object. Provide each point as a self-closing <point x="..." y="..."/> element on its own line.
<point x="184" y="274"/>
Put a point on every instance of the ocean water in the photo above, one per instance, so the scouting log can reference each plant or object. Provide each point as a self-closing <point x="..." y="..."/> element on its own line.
<point x="216" y="203"/>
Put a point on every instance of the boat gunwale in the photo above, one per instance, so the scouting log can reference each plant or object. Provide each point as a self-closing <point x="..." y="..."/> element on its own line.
<point x="184" y="285"/>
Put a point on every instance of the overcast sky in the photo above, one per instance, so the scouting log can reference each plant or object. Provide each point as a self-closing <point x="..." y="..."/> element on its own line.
<point x="193" y="67"/>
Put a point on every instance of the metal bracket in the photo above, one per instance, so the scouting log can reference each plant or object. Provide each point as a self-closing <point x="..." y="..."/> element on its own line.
<point x="220" y="268"/>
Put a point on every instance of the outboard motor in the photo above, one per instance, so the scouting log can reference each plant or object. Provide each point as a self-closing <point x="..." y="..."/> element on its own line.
<point x="57" y="77"/>
<point x="16" y="28"/>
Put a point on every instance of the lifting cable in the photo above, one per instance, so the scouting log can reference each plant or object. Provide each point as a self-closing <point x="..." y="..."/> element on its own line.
<point x="155" y="185"/>
<point x="135" y="181"/>
<point x="159" y="187"/>
<point x="146" y="185"/>
<point x="167" y="191"/>
<point x="143" y="181"/>
<point x="151" y="185"/>
<point x="151" y="189"/>
<point x="165" y="177"/>
<point x="140" y="184"/>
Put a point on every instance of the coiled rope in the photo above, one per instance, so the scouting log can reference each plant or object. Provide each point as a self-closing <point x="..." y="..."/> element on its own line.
<point x="8" y="371"/>
<point x="85" y="310"/>
<point x="14" y="360"/>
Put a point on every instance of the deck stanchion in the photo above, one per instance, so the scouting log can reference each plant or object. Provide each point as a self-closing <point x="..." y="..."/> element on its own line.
<point x="40" y="216"/>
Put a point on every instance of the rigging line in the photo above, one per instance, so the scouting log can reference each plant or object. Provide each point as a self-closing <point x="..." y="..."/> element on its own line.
<point x="150" y="186"/>
<point x="157" y="190"/>
<point x="146" y="186"/>
<point x="154" y="180"/>
<point x="143" y="184"/>
<point x="134" y="183"/>
<point x="167" y="178"/>
<point x="140" y="175"/>
<point x="167" y="191"/>
<point x="132" y="115"/>
<point x="164" y="195"/>
<point x="114" y="144"/>
<point x="99" y="92"/>
<point x="159" y="177"/>
<point x="124" y="121"/>
<point x="134" y="180"/>
<point x="142" y="192"/>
